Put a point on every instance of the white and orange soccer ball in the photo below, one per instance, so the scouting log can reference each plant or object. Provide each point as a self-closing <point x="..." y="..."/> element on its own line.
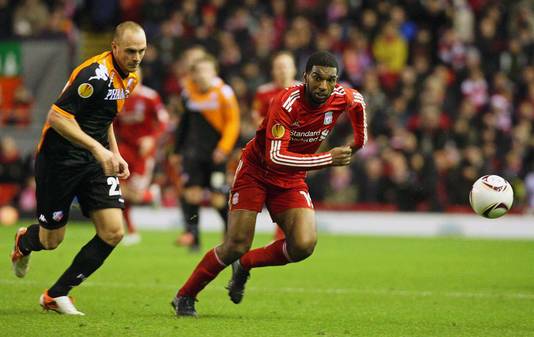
<point x="491" y="196"/>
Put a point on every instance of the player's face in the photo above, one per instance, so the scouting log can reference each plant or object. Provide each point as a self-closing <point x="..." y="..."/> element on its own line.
<point x="203" y="73"/>
<point x="320" y="83"/>
<point x="283" y="68"/>
<point x="129" y="50"/>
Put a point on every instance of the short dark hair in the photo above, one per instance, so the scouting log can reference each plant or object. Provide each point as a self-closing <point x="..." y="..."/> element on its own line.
<point x="322" y="59"/>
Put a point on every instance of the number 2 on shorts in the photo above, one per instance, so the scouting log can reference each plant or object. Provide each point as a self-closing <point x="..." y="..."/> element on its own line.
<point x="114" y="188"/>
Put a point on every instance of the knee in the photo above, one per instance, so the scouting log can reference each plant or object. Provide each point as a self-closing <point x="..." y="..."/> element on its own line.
<point x="112" y="236"/>
<point x="301" y="249"/>
<point x="218" y="200"/>
<point x="234" y="248"/>
<point x="193" y="195"/>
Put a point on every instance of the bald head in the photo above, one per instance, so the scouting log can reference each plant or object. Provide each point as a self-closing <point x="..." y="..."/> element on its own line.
<point x="128" y="45"/>
<point x="126" y="27"/>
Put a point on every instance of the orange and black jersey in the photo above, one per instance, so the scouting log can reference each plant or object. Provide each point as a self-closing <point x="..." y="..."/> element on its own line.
<point x="210" y="120"/>
<point x="94" y="94"/>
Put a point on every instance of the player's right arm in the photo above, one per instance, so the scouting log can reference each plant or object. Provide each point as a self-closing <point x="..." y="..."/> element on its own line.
<point x="81" y="88"/>
<point x="69" y="129"/>
<point x="278" y="137"/>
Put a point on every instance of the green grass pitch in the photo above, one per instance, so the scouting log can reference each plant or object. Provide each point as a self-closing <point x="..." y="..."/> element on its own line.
<point x="351" y="286"/>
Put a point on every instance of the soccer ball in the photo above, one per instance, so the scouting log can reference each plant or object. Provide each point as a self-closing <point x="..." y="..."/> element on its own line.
<point x="491" y="196"/>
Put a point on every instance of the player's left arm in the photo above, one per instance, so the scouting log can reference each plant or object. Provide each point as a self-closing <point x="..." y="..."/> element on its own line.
<point x="124" y="172"/>
<point x="230" y="131"/>
<point x="358" y="119"/>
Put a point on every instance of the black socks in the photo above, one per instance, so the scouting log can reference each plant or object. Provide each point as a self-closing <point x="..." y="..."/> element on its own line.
<point x="30" y="242"/>
<point x="87" y="261"/>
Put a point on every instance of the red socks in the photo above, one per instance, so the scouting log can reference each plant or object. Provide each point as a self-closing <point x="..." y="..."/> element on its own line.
<point x="274" y="254"/>
<point x="206" y="270"/>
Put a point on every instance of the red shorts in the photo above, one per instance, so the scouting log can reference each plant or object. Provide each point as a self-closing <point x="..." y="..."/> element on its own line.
<point x="250" y="193"/>
<point x="140" y="168"/>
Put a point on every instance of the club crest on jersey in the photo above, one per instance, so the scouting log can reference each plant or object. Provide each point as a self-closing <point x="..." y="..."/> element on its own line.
<point x="115" y="94"/>
<point x="57" y="216"/>
<point x="85" y="90"/>
<point x="328" y="117"/>
<point x="278" y="131"/>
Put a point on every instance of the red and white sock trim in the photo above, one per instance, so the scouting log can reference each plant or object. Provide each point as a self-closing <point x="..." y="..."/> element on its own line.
<point x="217" y="257"/>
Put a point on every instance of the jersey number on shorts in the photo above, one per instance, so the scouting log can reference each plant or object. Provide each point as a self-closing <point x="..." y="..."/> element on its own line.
<point x="307" y="197"/>
<point x="114" y="188"/>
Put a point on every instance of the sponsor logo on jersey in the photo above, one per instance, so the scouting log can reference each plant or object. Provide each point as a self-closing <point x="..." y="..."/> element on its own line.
<point x="295" y="124"/>
<point x="328" y="118"/>
<point x="85" y="90"/>
<point x="278" y="131"/>
<point x="101" y="73"/>
<point x="57" y="216"/>
<point x="309" y="136"/>
<point x="324" y="134"/>
<point x="115" y="94"/>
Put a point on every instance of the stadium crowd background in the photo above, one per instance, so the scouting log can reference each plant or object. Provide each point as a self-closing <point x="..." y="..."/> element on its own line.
<point x="449" y="85"/>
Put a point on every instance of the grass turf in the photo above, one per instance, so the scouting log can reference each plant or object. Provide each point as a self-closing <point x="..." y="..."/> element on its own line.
<point x="351" y="286"/>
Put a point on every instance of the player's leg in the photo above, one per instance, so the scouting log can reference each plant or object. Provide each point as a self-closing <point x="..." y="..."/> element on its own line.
<point x="191" y="199"/>
<point x="219" y="195"/>
<point x="101" y="200"/>
<point x="109" y="232"/>
<point x="219" y="202"/>
<point x="238" y="241"/>
<point x="54" y="194"/>
<point x="293" y="211"/>
<point x="247" y="199"/>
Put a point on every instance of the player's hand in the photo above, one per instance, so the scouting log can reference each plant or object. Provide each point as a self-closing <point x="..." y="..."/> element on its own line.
<point x="341" y="155"/>
<point x="108" y="160"/>
<point x="146" y="145"/>
<point x="124" y="171"/>
<point x="218" y="156"/>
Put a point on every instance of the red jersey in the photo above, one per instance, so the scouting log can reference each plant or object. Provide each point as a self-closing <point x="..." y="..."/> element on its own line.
<point x="264" y="94"/>
<point x="143" y="115"/>
<point x="285" y="144"/>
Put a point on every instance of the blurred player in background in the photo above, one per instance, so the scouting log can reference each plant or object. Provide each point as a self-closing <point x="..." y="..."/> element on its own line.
<point x="78" y="156"/>
<point x="273" y="171"/>
<point x="206" y="135"/>
<point x="139" y="128"/>
<point x="283" y="73"/>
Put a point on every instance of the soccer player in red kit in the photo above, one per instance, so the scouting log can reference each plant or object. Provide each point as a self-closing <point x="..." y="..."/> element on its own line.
<point x="283" y="73"/>
<point x="139" y="129"/>
<point x="272" y="171"/>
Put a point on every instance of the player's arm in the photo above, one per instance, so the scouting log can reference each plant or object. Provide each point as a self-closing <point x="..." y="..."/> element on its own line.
<point x="358" y="119"/>
<point x="123" y="171"/>
<point x="277" y="142"/>
<point x="230" y="131"/>
<point x="80" y="90"/>
<point x="65" y="124"/>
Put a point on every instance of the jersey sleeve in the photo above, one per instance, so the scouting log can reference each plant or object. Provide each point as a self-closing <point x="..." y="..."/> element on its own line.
<point x="77" y="91"/>
<point x="278" y="136"/>
<point x="358" y="118"/>
<point x="230" y="110"/>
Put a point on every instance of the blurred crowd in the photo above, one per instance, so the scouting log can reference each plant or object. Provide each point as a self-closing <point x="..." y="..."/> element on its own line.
<point x="449" y="84"/>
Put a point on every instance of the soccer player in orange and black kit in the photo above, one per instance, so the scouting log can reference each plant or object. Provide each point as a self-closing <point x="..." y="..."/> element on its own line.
<point x="283" y="73"/>
<point x="78" y="157"/>
<point x="139" y="128"/>
<point x="272" y="172"/>
<point x="206" y="135"/>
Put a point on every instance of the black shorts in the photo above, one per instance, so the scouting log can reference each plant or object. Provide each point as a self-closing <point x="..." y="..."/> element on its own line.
<point x="58" y="182"/>
<point x="205" y="174"/>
